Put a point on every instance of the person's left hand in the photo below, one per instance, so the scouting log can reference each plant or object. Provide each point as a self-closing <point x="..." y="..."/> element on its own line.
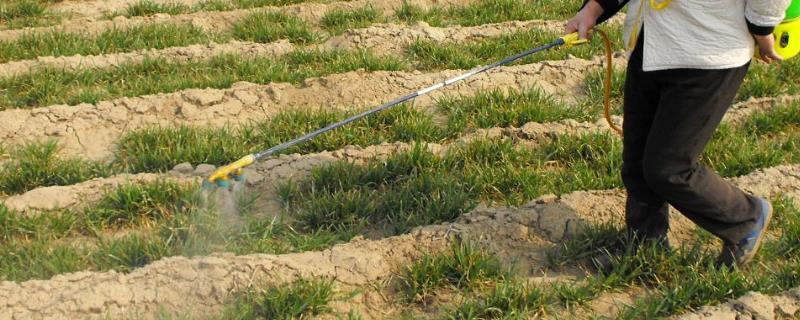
<point x="766" y="48"/>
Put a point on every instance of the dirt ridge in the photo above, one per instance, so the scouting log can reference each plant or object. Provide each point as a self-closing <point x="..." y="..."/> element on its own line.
<point x="74" y="196"/>
<point x="753" y="305"/>
<point x="204" y="284"/>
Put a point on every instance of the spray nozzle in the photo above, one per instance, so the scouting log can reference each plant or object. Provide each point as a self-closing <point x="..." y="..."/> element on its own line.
<point x="222" y="176"/>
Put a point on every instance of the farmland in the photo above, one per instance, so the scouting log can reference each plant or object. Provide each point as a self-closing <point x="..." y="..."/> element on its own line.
<point x="484" y="200"/>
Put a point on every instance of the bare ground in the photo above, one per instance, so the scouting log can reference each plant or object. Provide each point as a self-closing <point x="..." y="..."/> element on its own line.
<point x="202" y="285"/>
<point x="752" y="305"/>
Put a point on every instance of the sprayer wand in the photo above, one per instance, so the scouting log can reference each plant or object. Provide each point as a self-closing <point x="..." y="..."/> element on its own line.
<point x="221" y="177"/>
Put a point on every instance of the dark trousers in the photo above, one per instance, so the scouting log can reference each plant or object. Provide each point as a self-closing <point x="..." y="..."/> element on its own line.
<point x="670" y="116"/>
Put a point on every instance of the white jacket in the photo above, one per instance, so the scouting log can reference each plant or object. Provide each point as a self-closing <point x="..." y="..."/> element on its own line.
<point x="701" y="34"/>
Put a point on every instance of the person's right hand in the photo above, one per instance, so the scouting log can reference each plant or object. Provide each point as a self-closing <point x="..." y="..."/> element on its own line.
<point x="766" y="48"/>
<point x="584" y="20"/>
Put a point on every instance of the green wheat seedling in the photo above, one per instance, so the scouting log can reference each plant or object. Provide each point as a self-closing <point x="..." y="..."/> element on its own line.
<point x="683" y="278"/>
<point x="771" y="80"/>
<point x="463" y="267"/>
<point x="16" y="14"/>
<point x="594" y="90"/>
<point x="267" y="27"/>
<point x="508" y="299"/>
<point x="30" y="245"/>
<point x="506" y="108"/>
<point x="138" y="204"/>
<point x="57" y="43"/>
<point x="149" y="8"/>
<point x="419" y="198"/>
<point x="158" y="149"/>
<point x="159" y="75"/>
<point x="336" y="196"/>
<point x="301" y="299"/>
<point x="38" y="164"/>
<point x="34" y="246"/>
<point x="338" y="21"/>
<point x="432" y="55"/>
<point x="488" y="11"/>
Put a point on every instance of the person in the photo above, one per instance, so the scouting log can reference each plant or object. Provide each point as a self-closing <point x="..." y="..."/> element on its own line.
<point x="687" y="60"/>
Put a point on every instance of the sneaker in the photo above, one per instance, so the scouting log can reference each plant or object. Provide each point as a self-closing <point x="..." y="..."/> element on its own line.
<point x="741" y="253"/>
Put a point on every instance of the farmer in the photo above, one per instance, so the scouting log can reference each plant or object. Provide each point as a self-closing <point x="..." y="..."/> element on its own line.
<point x="688" y="59"/>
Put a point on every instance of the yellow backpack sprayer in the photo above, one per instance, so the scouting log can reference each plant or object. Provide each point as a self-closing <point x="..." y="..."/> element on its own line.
<point x="787" y="34"/>
<point x="222" y="176"/>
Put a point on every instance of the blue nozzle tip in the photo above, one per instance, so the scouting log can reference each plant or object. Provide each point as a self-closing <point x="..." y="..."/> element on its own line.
<point x="223" y="183"/>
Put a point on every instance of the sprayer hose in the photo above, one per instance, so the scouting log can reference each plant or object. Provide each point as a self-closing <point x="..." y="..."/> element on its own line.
<point x="607" y="81"/>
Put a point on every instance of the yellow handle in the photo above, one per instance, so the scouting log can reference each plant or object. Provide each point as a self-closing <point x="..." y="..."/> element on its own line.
<point x="236" y="168"/>
<point x="573" y="39"/>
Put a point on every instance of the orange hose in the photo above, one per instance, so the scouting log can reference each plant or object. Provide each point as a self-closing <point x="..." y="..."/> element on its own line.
<point x="607" y="81"/>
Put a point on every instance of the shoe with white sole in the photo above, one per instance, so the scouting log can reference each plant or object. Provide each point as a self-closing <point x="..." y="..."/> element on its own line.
<point x="741" y="253"/>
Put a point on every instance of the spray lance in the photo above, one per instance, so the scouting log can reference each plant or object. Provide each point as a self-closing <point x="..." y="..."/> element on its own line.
<point x="234" y="171"/>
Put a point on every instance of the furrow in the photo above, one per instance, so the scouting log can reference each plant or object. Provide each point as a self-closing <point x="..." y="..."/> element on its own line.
<point x="201" y="285"/>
